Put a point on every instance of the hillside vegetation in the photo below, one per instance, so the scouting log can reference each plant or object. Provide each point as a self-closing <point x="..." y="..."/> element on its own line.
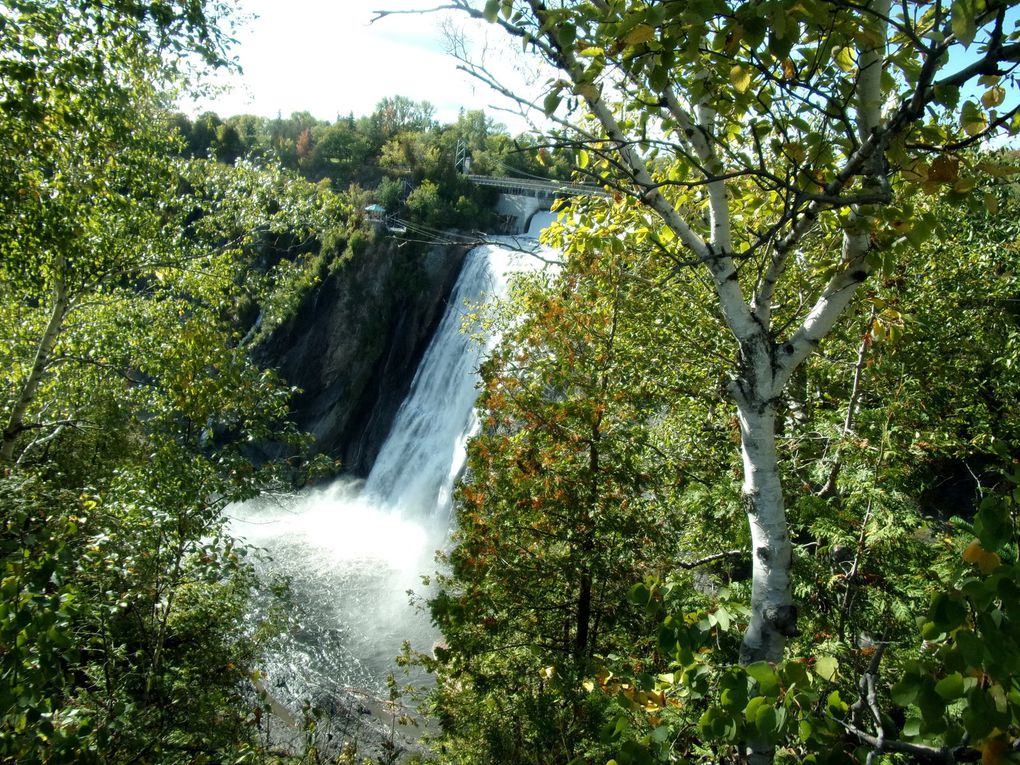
<point x="746" y="487"/>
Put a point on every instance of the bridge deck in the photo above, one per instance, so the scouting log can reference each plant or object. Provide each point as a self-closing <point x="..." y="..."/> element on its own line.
<point x="529" y="187"/>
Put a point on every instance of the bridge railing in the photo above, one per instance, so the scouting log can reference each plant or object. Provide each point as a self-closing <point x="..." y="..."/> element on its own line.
<point x="530" y="187"/>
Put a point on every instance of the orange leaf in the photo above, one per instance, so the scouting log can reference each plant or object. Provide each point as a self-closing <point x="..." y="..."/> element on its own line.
<point x="973" y="552"/>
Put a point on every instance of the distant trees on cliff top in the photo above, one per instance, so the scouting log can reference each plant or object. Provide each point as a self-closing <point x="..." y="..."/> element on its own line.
<point x="391" y="153"/>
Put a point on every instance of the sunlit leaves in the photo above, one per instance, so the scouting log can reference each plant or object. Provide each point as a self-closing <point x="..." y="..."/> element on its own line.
<point x="964" y="16"/>
<point x="972" y="119"/>
<point x="741" y="77"/>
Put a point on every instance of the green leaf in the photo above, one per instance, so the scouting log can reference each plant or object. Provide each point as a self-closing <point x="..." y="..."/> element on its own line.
<point x="947" y="612"/>
<point x="763" y="672"/>
<point x="992" y="524"/>
<point x="722" y="617"/>
<point x="660" y="734"/>
<point x="836" y="705"/>
<point x="964" y="16"/>
<point x="972" y="119"/>
<point x="826" y="667"/>
<point x="950" y="687"/>
<point x="551" y="102"/>
<point x="971" y="648"/>
<point x="491" y="10"/>
<point x="741" y="78"/>
<point x="639" y="594"/>
<point x="767" y="722"/>
<point x="905" y="691"/>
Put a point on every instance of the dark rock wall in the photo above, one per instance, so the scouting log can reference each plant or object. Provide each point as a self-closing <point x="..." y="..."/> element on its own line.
<point x="355" y="342"/>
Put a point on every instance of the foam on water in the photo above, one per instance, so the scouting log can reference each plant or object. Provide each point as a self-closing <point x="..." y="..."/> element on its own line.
<point x="352" y="550"/>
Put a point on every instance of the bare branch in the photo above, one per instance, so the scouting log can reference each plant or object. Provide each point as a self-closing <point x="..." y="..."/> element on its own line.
<point x="688" y="565"/>
<point x="851" y="409"/>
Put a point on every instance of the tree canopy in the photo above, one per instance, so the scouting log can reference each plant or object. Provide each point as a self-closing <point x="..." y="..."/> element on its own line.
<point x="775" y="157"/>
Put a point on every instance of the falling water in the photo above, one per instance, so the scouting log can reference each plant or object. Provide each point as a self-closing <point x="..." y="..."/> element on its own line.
<point x="353" y="550"/>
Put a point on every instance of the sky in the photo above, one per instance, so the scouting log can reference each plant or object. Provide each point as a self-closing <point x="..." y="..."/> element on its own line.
<point x="325" y="57"/>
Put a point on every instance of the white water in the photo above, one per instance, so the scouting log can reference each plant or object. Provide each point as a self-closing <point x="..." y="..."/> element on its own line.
<point x="353" y="550"/>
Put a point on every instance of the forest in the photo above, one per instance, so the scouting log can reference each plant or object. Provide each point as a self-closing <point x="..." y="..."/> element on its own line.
<point x="746" y="483"/>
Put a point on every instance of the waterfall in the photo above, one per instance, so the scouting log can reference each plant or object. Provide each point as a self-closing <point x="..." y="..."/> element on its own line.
<point x="353" y="550"/>
<point x="424" y="451"/>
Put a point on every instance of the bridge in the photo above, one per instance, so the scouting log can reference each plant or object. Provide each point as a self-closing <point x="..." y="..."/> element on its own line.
<point x="533" y="187"/>
<point x="521" y="198"/>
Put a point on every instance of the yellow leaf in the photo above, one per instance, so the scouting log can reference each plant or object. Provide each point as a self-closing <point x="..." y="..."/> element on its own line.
<point x="741" y="77"/>
<point x="972" y="119"/>
<point x="642" y="33"/>
<point x="994" y="751"/>
<point x="844" y="58"/>
<point x="944" y="170"/>
<point x="588" y="685"/>
<point x="993" y="97"/>
<point x="989" y="562"/>
<point x="795" y="151"/>
<point x="986" y="561"/>
<point x="588" y="90"/>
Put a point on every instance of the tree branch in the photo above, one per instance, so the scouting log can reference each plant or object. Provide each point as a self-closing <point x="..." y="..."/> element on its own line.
<point x="688" y="565"/>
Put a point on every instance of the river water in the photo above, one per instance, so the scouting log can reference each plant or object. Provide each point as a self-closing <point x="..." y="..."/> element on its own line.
<point x="353" y="551"/>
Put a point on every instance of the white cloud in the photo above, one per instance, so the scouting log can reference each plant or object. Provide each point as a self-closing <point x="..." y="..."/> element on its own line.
<point x="327" y="58"/>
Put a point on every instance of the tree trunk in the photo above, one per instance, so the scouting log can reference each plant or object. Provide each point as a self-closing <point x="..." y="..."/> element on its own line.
<point x="773" y="615"/>
<point x="16" y="421"/>
<point x="583" y="622"/>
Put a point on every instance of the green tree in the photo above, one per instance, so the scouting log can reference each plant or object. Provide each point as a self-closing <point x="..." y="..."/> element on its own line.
<point x="569" y="499"/>
<point x="397" y="114"/>
<point x="773" y="149"/>
<point x="126" y="395"/>
<point x="749" y="132"/>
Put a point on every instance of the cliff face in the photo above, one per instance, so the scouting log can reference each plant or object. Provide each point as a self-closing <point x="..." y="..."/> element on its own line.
<point x="354" y="344"/>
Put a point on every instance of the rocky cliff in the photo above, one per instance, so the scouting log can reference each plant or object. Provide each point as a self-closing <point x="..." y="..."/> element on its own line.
<point x="354" y="343"/>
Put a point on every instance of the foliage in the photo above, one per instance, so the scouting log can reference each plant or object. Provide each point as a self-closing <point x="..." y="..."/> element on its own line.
<point x="127" y="399"/>
<point x="942" y="695"/>
<point x="661" y="679"/>
<point x="394" y="152"/>
<point x="776" y="149"/>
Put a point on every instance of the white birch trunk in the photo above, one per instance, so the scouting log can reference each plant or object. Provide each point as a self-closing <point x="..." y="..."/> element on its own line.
<point x="773" y="615"/>
<point x="44" y="351"/>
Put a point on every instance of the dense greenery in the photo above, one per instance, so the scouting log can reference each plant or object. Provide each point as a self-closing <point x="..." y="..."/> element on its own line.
<point x="127" y="396"/>
<point x="599" y="583"/>
<point x="399" y="157"/>
<point x="142" y="255"/>
<point x="596" y="603"/>
<point x="806" y="280"/>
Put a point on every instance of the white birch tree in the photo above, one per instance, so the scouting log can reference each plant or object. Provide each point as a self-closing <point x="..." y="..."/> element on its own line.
<point x="752" y="134"/>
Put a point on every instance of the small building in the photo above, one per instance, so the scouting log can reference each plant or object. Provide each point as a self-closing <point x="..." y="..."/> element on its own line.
<point x="375" y="214"/>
